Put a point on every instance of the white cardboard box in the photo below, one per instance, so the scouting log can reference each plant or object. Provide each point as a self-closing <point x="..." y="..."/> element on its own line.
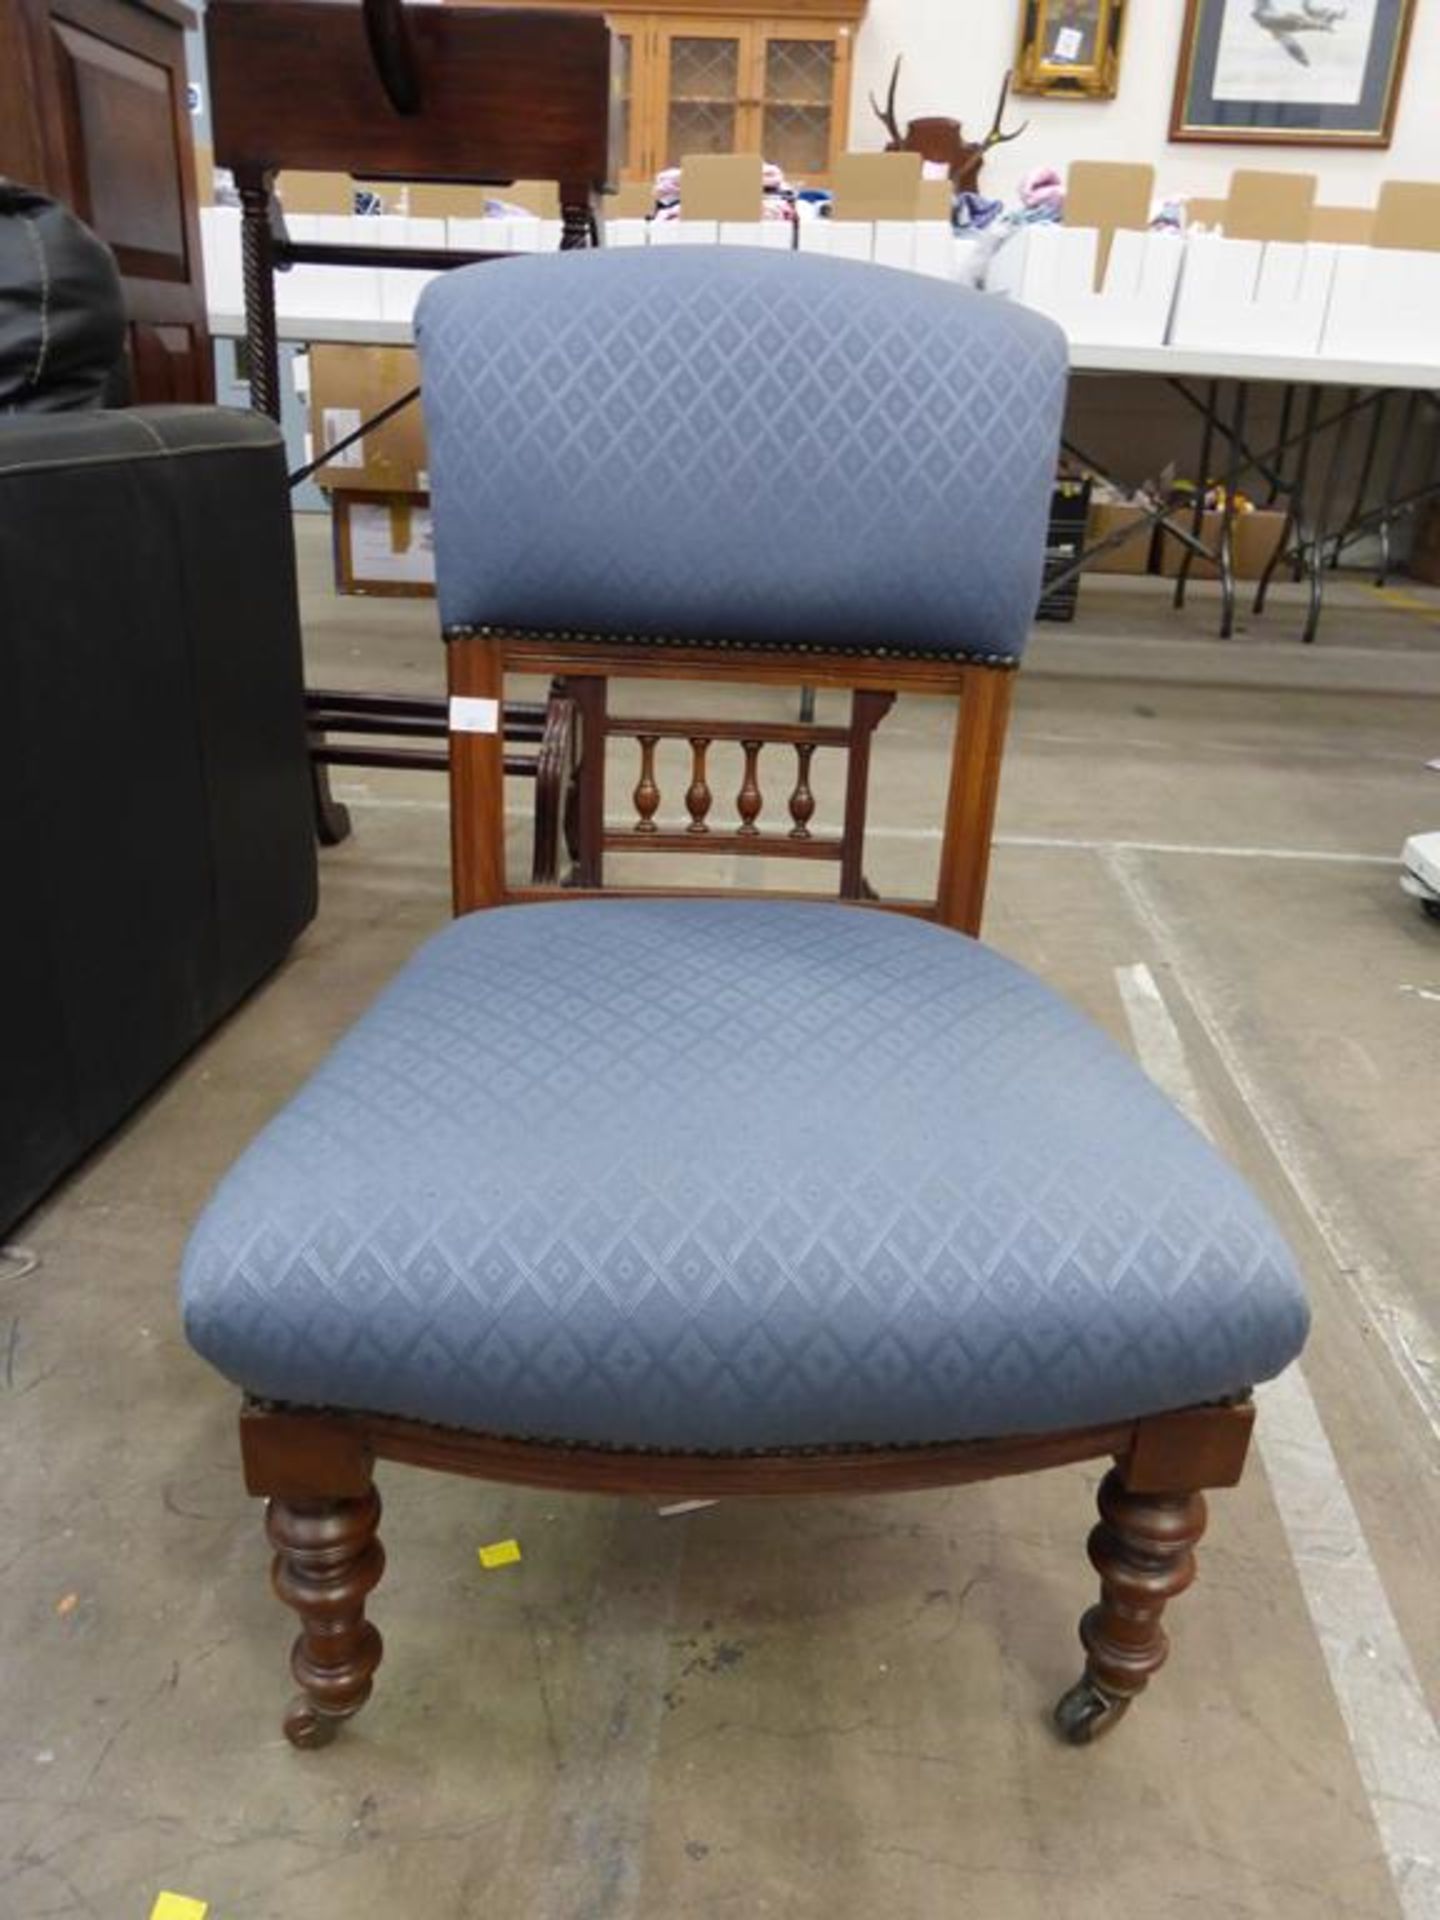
<point x="304" y="292"/>
<point x="1384" y="305"/>
<point x="381" y="229"/>
<point x="400" y="288"/>
<point x="894" y="243"/>
<point x="935" y="249"/>
<point x="1253" y="296"/>
<point x="627" y="233"/>
<point x="775" y="234"/>
<point x="684" y="233"/>
<point x="1052" y="269"/>
<point x="850" y="239"/>
<point x="327" y="293"/>
<point x="220" y="247"/>
<point x="467" y="235"/>
<point x="523" y="234"/>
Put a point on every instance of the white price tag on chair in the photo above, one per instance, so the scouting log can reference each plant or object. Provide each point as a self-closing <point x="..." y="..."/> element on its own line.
<point x="471" y="715"/>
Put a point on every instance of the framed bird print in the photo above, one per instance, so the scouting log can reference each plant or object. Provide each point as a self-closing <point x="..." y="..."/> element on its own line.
<point x="1291" y="72"/>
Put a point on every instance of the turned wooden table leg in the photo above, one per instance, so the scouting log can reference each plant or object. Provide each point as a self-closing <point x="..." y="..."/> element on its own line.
<point x="1143" y="1550"/>
<point x="327" y="1559"/>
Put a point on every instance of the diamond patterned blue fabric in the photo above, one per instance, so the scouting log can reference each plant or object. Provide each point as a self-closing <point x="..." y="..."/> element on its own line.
<point x="728" y="1174"/>
<point x="729" y="443"/>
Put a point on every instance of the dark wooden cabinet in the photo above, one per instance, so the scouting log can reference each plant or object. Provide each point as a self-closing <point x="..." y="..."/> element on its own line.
<point x="93" y="110"/>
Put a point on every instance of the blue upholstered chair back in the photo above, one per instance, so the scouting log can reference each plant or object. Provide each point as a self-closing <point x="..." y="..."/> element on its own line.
<point x="720" y="444"/>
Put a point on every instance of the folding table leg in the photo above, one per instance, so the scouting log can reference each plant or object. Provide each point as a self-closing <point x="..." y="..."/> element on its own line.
<point x="1202" y="481"/>
<point x="1234" y="466"/>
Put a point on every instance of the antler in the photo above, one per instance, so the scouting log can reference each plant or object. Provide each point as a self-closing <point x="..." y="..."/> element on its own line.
<point x="995" y="137"/>
<point x="886" y="116"/>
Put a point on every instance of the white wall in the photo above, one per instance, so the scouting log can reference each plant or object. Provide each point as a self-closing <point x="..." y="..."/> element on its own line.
<point x="956" y="52"/>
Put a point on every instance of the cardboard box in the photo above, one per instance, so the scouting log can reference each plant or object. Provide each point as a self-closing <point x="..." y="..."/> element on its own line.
<point x="631" y="200"/>
<point x="349" y="385"/>
<point x="1262" y="205"/>
<point x="383" y="544"/>
<point x="1407" y="216"/>
<point x="877" y="186"/>
<point x="1102" y="275"/>
<point x="303" y="191"/>
<point x="721" y="186"/>
<point x="205" y="172"/>
<point x="1345" y="226"/>
<point x="1111" y="196"/>
<point x="1256" y="537"/>
<point x="1132" y="555"/>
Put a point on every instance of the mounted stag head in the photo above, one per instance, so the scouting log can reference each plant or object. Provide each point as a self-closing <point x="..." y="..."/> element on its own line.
<point x="943" y="141"/>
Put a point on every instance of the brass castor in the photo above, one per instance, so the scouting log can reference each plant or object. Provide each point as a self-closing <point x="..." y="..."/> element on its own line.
<point x="1086" y="1712"/>
<point x="306" y="1727"/>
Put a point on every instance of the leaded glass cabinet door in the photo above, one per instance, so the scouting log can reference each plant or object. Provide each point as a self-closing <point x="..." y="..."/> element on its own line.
<point x="804" y="80"/>
<point x="797" y="90"/>
<point x="708" y="107"/>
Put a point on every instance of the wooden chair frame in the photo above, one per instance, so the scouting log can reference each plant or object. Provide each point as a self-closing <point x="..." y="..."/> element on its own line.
<point x="600" y="724"/>
<point x="315" y="1468"/>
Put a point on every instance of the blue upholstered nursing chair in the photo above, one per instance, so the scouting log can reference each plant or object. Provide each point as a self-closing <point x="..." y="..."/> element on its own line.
<point x="541" y="1217"/>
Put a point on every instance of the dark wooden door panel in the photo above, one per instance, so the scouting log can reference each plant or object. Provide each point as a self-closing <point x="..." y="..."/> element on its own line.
<point x="23" y="148"/>
<point x="93" y="111"/>
<point x="171" y="364"/>
<point x="121" y="116"/>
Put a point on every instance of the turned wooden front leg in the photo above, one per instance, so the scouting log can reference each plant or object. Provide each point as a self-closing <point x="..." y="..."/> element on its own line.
<point x="327" y="1559"/>
<point x="1143" y="1550"/>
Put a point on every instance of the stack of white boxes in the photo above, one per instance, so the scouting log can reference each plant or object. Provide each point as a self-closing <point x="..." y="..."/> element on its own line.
<point x="1254" y="296"/>
<point x="1054" y="270"/>
<point x="1258" y="286"/>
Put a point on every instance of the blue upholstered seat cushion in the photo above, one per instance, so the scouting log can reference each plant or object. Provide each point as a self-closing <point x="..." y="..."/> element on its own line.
<point x="736" y="444"/>
<point x="730" y="1174"/>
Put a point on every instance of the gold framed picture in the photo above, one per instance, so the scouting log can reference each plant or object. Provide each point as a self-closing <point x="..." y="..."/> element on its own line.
<point x="1070" y="49"/>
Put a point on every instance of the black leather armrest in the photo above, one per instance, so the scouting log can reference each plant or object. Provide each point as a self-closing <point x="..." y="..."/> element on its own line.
<point x="155" y="829"/>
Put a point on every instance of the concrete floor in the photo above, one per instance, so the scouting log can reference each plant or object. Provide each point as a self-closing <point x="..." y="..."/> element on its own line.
<point x="839" y="1707"/>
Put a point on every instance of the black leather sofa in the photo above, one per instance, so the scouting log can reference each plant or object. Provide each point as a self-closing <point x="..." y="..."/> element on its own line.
<point x="156" y="846"/>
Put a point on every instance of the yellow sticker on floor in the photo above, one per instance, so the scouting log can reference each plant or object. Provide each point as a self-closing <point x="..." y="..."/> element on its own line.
<point x="178" y="1906"/>
<point x="500" y="1553"/>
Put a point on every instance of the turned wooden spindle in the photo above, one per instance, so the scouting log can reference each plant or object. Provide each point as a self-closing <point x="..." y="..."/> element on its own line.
<point x="749" y="800"/>
<point x="802" y="800"/>
<point x="1143" y="1550"/>
<point x="327" y="1559"/>
<point x="647" y="794"/>
<point x="698" y="797"/>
